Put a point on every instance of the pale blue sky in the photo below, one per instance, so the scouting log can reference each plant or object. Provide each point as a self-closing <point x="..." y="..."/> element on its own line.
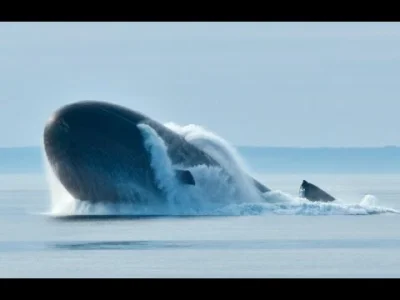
<point x="272" y="84"/>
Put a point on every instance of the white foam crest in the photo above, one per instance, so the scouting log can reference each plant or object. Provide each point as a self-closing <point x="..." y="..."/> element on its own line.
<point x="214" y="145"/>
<point x="369" y="200"/>
<point x="223" y="152"/>
<point x="284" y="204"/>
<point x="211" y="189"/>
<point x="161" y="164"/>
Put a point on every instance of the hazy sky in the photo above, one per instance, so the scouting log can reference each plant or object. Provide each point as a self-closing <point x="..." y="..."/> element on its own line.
<point x="273" y="84"/>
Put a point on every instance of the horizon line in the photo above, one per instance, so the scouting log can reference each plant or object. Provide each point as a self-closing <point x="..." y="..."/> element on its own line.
<point x="251" y="146"/>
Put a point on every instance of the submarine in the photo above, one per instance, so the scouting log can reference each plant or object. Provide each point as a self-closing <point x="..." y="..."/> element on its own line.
<point x="98" y="152"/>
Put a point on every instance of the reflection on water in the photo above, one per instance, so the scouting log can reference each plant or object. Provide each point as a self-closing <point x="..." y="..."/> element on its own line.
<point x="119" y="217"/>
<point x="228" y="245"/>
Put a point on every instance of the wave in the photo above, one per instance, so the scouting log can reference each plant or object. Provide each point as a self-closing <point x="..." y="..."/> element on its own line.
<point x="214" y="193"/>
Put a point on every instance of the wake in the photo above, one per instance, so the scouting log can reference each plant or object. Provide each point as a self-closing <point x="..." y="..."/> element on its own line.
<point x="214" y="193"/>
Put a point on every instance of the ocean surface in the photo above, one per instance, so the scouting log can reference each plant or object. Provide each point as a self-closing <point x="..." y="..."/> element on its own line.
<point x="359" y="236"/>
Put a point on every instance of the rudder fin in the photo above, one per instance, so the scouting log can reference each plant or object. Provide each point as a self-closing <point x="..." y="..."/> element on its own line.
<point x="313" y="193"/>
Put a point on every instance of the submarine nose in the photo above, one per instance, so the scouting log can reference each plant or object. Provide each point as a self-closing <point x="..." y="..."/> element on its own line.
<point x="77" y="144"/>
<point x="87" y="130"/>
<point x="87" y="126"/>
<point x="58" y="133"/>
<point x="60" y="140"/>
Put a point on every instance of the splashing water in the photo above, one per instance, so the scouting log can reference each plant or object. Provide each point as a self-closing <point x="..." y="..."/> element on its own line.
<point x="223" y="153"/>
<point x="61" y="201"/>
<point x="211" y="189"/>
<point x="214" y="193"/>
